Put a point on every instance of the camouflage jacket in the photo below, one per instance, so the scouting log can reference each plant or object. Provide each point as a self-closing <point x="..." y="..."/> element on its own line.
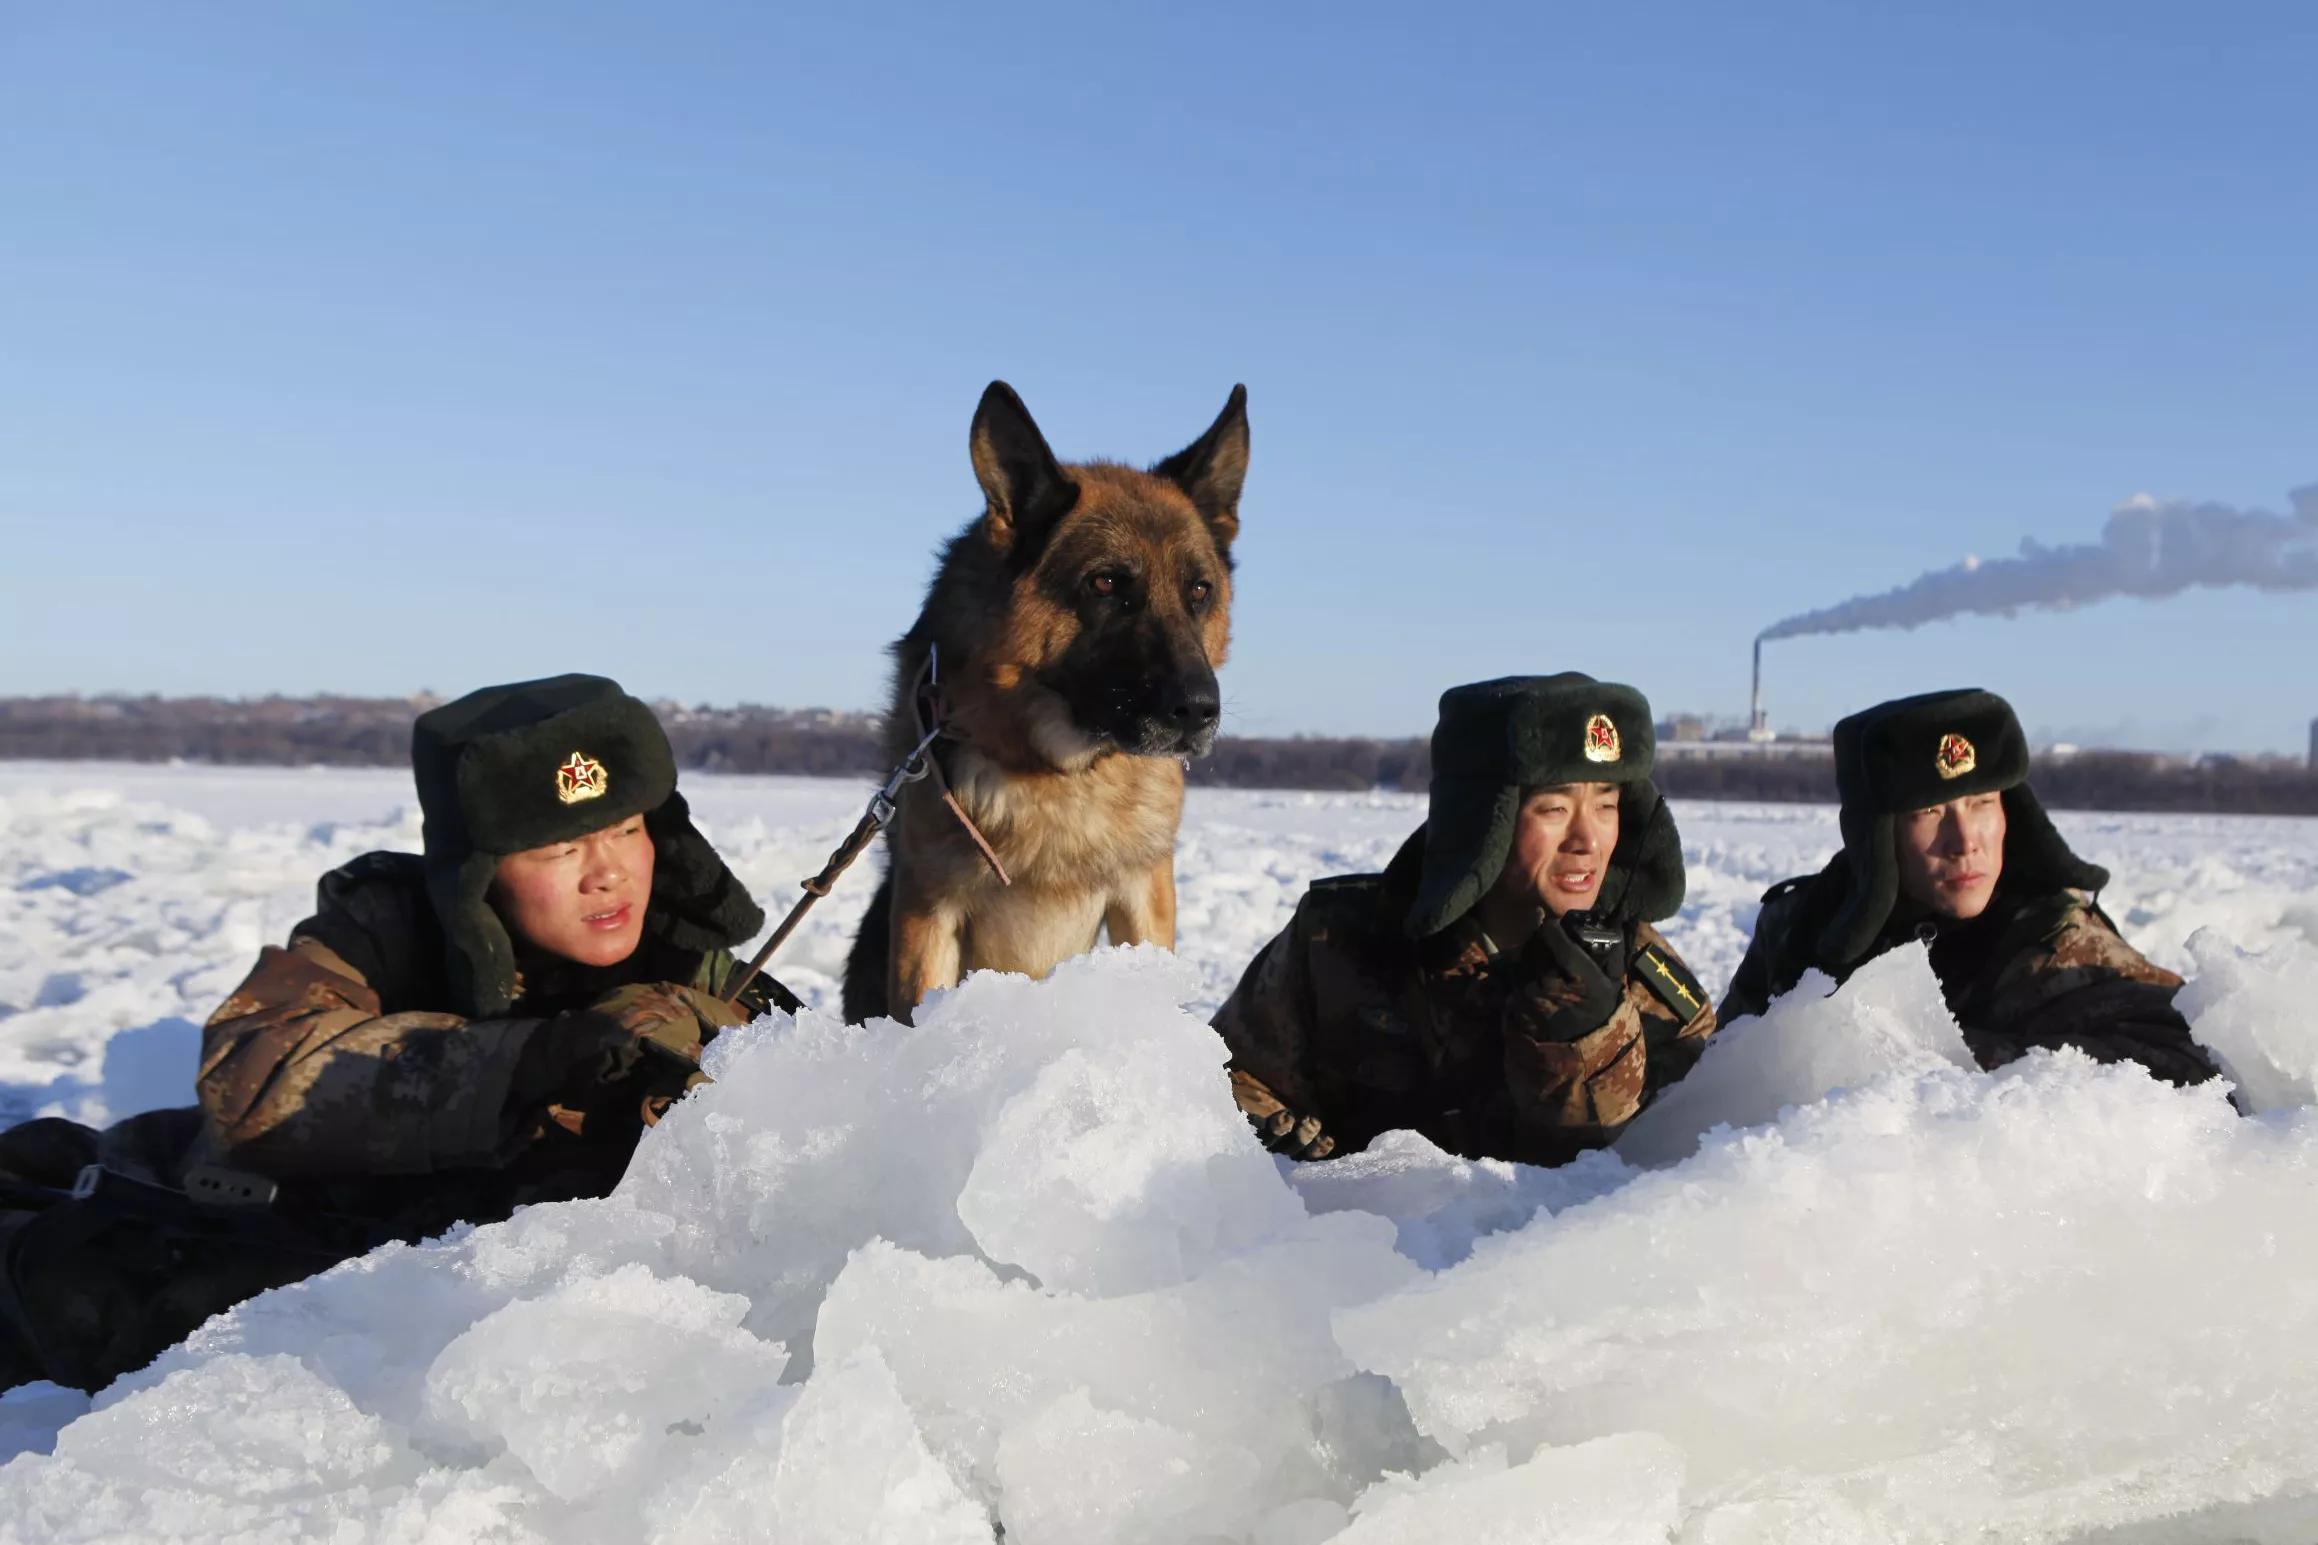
<point x="2045" y="970"/>
<point x="333" y="1068"/>
<point x="1345" y="1020"/>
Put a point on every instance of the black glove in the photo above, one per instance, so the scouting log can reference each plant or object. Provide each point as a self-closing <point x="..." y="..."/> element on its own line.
<point x="590" y="1061"/>
<point x="1564" y="991"/>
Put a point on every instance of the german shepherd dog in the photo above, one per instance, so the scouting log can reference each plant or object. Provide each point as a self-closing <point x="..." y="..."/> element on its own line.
<point x="1076" y="626"/>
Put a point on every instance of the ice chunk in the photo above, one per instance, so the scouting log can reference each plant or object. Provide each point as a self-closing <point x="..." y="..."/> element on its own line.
<point x="1239" y="1363"/>
<point x="291" y="1435"/>
<point x="1612" y="1491"/>
<point x="846" y="1463"/>
<point x="1441" y="1203"/>
<point x="1888" y="1018"/>
<point x="2258" y="1014"/>
<point x="1014" y="1121"/>
<point x="1077" y="1185"/>
<point x="236" y="1444"/>
<point x="1073" y="1471"/>
<point x="587" y="1384"/>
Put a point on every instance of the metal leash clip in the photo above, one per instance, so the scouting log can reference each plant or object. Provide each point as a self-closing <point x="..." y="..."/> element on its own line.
<point x="915" y="766"/>
<point x="884" y="806"/>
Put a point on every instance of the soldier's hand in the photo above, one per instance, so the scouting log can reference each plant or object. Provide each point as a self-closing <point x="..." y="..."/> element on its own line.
<point x="1297" y="1137"/>
<point x="594" y="1064"/>
<point x="677" y="1018"/>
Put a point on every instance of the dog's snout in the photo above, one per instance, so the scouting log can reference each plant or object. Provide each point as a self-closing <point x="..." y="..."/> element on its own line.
<point x="1199" y="708"/>
<point x="1194" y="705"/>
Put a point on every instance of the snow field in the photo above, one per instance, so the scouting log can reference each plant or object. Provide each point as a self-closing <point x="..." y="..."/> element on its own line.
<point x="1023" y="1263"/>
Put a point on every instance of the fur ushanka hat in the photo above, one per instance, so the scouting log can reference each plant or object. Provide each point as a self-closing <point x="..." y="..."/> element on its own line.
<point x="1497" y="739"/>
<point x="520" y="766"/>
<point x="1916" y="752"/>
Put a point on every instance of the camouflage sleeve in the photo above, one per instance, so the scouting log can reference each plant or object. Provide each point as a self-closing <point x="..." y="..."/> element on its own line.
<point x="1570" y="1093"/>
<point x="302" y="1075"/>
<point x="2089" y="989"/>
<point x="1573" y="1093"/>
<point x="1266" y="1024"/>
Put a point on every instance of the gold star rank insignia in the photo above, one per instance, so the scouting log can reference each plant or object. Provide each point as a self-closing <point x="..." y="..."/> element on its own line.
<point x="1955" y="757"/>
<point x="1602" y="739"/>
<point x="583" y="777"/>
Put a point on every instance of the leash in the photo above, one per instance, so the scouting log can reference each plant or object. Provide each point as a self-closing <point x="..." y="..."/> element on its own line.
<point x="931" y="720"/>
<point x="926" y="708"/>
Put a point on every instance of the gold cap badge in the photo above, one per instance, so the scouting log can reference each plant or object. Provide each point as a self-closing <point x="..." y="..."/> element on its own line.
<point x="583" y="777"/>
<point x="1955" y="757"/>
<point x="1602" y="739"/>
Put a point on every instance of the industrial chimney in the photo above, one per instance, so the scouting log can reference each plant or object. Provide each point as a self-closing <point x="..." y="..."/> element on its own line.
<point x="1759" y="728"/>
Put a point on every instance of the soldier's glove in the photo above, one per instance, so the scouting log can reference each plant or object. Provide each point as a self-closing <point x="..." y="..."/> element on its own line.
<point x="1277" y="1127"/>
<point x="674" y="1018"/>
<point x="584" y="1064"/>
<point x="1565" y="992"/>
<point x="636" y="1045"/>
<point x="1282" y="1132"/>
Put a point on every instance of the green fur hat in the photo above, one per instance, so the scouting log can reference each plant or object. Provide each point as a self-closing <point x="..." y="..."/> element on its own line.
<point x="1915" y="752"/>
<point x="520" y="766"/>
<point x="1497" y="739"/>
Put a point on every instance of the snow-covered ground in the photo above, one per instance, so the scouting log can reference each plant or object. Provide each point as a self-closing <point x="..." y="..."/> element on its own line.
<point x="1023" y="1264"/>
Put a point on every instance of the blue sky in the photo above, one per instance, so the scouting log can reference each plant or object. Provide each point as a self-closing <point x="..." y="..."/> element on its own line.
<point x="373" y="348"/>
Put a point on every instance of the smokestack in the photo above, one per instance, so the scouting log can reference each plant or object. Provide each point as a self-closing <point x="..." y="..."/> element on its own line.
<point x="1757" y="727"/>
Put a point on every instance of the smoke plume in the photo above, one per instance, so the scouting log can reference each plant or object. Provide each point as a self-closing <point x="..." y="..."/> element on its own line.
<point x="2149" y="548"/>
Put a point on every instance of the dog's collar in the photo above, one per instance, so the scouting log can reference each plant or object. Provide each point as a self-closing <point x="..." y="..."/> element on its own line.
<point x="932" y="717"/>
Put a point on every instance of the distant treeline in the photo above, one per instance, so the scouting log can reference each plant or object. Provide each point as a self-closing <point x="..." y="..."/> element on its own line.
<point x="2077" y="780"/>
<point x="375" y="732"/>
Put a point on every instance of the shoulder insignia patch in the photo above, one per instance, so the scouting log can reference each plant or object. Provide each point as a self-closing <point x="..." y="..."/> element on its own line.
<point x="1671" y="981"/>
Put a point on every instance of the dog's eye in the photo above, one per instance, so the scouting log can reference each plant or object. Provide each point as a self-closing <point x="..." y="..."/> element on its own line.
<point x="1105" y="585"/>
<point x="1200" y="591"/>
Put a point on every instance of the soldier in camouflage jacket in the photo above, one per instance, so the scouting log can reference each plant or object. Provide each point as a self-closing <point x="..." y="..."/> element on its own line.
<point x="1945" y="843"/>
<point x="450" y="1036"/>
<point x="1499" y="987"/>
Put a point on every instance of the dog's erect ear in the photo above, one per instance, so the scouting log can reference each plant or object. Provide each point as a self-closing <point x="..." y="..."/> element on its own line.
<point x="1020" y="478"/>
<point x="1212" y="467"/>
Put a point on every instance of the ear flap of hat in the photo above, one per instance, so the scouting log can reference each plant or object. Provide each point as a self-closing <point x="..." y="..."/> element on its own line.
<point x="478" y="954"/>
<point x="698" y="903"/>
<point x="1870" y="874"/>
<point x="1468" y="836"/>
<point x="2036" y="857"/>
<point x="1645" y="880"/>
<point x="1867" y="870"/>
